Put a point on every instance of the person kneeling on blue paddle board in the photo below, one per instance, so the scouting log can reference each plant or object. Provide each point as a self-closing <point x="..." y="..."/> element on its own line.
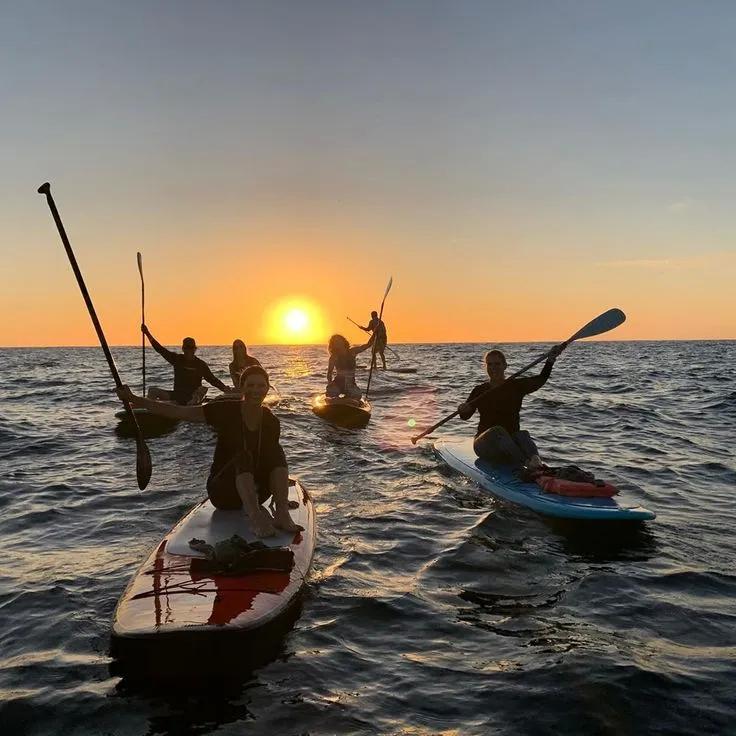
<point x="499" y="438"/>
<point x="249" y="465"/>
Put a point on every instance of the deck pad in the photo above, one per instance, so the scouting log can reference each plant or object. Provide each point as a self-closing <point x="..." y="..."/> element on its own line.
<point x="215" y="525"/>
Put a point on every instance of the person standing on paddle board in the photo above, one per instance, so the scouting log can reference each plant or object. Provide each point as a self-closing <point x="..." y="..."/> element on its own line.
<point x="249" y="465"/>
<point x="379" y="336"/>
<point x="188" y="373"/>
<point x="499" y="438"/>
<point x="241" y="361"/>
<point x="342" y="365"/>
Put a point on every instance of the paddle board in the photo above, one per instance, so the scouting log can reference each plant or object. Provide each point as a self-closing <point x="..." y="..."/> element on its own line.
<point x="143" y="415"/>
<point x="501" y="482"/>
<point x="344" y="412"/>
<point x="169" y="596"/>
<point x="387" y="370"/>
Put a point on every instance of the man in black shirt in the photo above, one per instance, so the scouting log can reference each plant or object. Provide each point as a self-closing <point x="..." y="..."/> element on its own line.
<point x="498" y="401"/>
<point x="378" y="329"/>
<point x="188" y="373"/>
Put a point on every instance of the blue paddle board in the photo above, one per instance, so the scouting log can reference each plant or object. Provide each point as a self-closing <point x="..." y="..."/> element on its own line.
<point x="502" y="482"/>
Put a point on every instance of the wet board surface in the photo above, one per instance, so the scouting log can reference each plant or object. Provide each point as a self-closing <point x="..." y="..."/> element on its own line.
<point x="169" y="595"/>
<point x="344" y="412"/>
<point x="501" y="482"/>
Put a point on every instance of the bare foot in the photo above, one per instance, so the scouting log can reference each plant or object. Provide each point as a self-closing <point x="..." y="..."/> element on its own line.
<point x="263" y="525"/>
<point x="284" y="521"/>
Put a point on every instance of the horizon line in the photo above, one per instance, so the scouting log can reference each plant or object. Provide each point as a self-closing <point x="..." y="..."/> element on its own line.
<point x="439" y="342"/>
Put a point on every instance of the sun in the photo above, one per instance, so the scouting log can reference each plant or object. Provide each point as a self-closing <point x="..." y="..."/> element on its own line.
<point x="295" y="321"/>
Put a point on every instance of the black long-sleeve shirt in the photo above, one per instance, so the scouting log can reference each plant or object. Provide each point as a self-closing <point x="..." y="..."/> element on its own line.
<point x="501" y="406"/>
<point x="188" y="374"/>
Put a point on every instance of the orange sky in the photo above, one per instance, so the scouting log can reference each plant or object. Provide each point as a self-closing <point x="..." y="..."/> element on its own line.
<point x="516" y="178"/>
<point x="511" y="296"/>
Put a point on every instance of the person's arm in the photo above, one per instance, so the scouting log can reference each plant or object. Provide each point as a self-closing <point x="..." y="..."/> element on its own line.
<point x="234" y="374"/>
<point x="213" y="380"/>
<point x="466" y="409"/>
<point x="529" y="385"/>
<point x="162" y="408"/>
<point x="330" y="369"/>
<point x="360" y="348"/>
<point x="167" y="355"/>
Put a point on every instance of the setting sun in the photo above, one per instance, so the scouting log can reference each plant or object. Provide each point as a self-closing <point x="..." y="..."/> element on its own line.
<point x="296" y="321"/>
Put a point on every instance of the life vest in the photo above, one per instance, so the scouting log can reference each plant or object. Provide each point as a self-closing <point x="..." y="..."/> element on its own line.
<point x="572" y="481"/>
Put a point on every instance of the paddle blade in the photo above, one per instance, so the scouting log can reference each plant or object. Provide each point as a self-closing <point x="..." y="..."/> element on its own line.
<point x="602" y="323"/>
<point x="143" y="465"/>
<point x="388" y="288"/>
<point x="140" y="264"/>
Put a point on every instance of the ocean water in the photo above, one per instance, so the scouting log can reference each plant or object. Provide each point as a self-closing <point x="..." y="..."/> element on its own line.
<point x="430" y="608"/>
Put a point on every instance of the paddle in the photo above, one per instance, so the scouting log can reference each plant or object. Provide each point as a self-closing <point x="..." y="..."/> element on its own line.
<point x="143" y="456"/>
<point x="143" y="319"/>
<point x="373" y="352"/>
<point x="602" y="323"/>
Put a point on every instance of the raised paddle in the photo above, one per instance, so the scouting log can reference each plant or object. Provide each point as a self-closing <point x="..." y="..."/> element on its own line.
<point x="143" y="456"/>
<point x="602" y="323"/>
<point x="373" y="352"/>
<point x="143" y="319"/>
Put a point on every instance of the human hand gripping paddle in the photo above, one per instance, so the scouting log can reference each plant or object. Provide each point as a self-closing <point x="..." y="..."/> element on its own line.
<point x="373" y="352"/>
<point x="602" y="323"/>
<point x="143" y="456"/>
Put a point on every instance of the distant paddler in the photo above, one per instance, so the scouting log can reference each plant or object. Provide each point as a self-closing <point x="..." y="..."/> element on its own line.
<point x="188" y="373"/>
<point x="341" y="368"/>
<point x="377" y="328"/>
<point x="499" y="438"/>
<point x="241" y="360"/>
<point x="249" y="464"/>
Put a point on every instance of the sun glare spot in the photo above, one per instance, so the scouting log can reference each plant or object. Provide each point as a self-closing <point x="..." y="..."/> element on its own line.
<point x="296" y="322"/>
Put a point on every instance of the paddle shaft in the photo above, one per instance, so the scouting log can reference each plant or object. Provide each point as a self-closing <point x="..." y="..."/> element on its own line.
<point x="414" y="440"/>
<point x="373" y="352"/>
<point x="141" y="445"/>
<point x="143" y="320"/>
<point x="602" y="323"/>
<point x="387" y="347"/>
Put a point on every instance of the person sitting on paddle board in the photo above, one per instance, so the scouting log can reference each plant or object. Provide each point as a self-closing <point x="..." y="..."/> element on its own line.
<point x="378" y="329"/>
<point x="188" y="373"/>
<point x="241" y="361"/>
<point x="499" y="438"/>
<point x="249" y="465"/>
<point x="342" y="365"/>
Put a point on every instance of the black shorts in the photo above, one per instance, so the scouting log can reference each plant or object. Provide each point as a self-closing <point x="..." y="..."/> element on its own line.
<point x="223" y="492"/>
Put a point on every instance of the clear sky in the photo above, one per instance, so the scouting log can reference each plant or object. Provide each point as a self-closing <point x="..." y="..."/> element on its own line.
<point x="518" y="167"/>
